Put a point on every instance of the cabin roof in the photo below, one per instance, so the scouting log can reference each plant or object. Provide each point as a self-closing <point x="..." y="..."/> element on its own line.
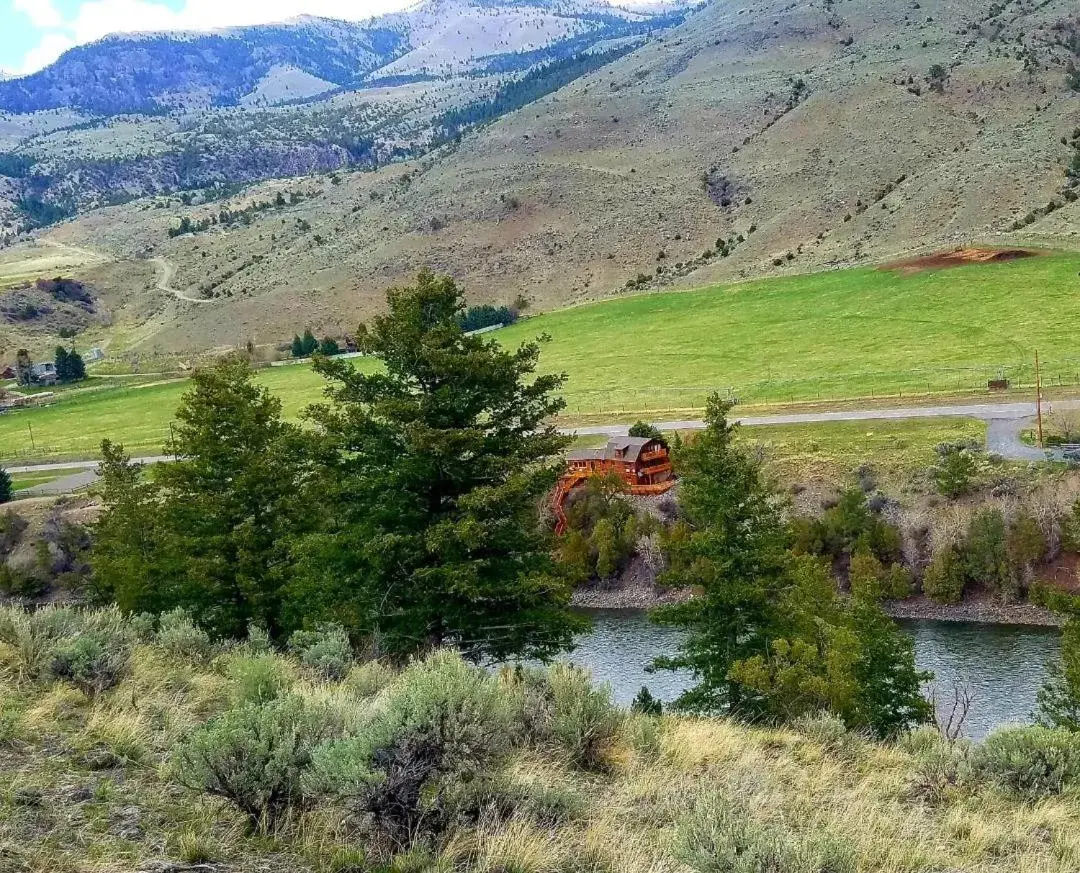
<point x="631" y="448"/>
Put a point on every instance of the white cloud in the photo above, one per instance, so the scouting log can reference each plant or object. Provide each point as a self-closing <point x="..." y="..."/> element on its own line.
<point x="51" y="46"/>
<point x="42" y="13"/>
<point x="97" y="18"/>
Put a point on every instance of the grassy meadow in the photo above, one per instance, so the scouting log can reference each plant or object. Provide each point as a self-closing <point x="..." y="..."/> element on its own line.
<point x="96" y="772"/>
<point x="137" y="416"/>
<point x="829" y="335"/>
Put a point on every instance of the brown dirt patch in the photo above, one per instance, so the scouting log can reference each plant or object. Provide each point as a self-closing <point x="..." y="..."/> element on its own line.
<point x="960" y="258"/>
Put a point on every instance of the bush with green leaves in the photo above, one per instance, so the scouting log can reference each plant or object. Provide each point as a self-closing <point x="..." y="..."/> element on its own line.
<point x="849" y="527"/>
<point x="985" y="560"/>
<point x="944" y="578"/>
<point x="255" y="755"/>
<point x="179" y="635"/>
<point x="427" y="754"/>
<point x="561" y="708"/>
<point x="866" y="575"/>
<point x="1033" y="762"/>
<point x="956" y="471"/>
<point x="91" y="648"/>
<point x="325" y="649"/>
<point x="896" y="584"/>
<point x="645" y="704"/>
<point x="257" y="678"/>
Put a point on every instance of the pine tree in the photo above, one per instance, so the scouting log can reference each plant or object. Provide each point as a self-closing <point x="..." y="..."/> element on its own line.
<point x="6" y="488"/>
<point x="60" y="359"/>
<point x="76" y="367"/>
<point x="210" y="533"/>
<point x="297" y="346"/>
<point x="734" y="555"/>
<point x="434" y="473"/>
<point x="308" y="344"/>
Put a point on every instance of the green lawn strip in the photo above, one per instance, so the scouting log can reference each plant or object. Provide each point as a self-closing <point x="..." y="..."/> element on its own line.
<point x="836" y="334"/>
<point x="22" y="481"/>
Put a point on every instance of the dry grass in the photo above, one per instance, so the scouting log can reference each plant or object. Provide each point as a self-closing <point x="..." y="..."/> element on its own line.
<point x="83" y="788"/>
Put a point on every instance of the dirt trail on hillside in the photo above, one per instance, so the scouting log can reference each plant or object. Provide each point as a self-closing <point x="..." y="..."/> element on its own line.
<point x="166" y="272"/>
<point x="960" y="258"/>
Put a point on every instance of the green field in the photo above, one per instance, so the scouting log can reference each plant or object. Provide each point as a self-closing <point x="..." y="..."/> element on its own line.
<point x="136" y="416"/>
<point x="825" y="336"/>
<point x="841" y="334"/>
<point x="21" y="481"/>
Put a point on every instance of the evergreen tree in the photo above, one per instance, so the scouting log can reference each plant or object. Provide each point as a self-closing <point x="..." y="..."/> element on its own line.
<point x="24" y="367"/>
<point x="644" y="430"/>
<point x="6" y="488"/>
<point x="329" y="347"/>
<point x="60" y="360"/>
<point x="769" y="638"/>
<point x="433" y="473"/>
<point x="734" y="555"/>
<point x="308" y="344"/>
<point x="210" y="533"/>
<point x="76" y="367"/>
<point x="297" y="346"/>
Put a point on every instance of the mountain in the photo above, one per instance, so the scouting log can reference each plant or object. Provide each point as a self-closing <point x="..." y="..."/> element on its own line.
<point x="156" y="72"/>
<point x="798" y="136"/>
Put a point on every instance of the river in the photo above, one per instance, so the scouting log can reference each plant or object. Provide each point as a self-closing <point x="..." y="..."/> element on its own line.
<point x="1003" y="666"/>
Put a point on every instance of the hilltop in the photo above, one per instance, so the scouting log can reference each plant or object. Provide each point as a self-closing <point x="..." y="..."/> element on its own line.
<point x="757" y="140"/>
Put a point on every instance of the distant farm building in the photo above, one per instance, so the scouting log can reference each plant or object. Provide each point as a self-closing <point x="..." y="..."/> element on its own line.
<point x="644" y="464"/>
<point x="43" y="374"/>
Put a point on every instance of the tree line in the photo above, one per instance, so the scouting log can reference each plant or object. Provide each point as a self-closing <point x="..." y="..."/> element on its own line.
<point x="410" y="509"/>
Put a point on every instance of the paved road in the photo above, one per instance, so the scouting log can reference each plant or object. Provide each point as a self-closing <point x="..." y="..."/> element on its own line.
<point x="63" y="485"/>
<point x="1005" y="421"/>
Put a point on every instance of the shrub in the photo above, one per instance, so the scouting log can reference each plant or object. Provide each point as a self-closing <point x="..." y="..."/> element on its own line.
<point x="89" y="648"/>
<point x="179" y="635"/>
<point x="426" y="755"/>
<point x="944" y="577"/>
<point x="956" y="469"/>
<point x="368" y="679"/>
<point x="1033" y="762"/>
<point x="326" y="649"/>
<point x="896" y="584"/>
<point x="562" y="709"/>
<point x="865" y="575"/>
<point x="984" y="551"/>
<point x="254" y="756"/>
<point x="257" y="678"/>
<point x="645" y="704"/>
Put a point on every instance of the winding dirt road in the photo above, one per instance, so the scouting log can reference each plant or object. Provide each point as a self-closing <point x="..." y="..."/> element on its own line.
<point x="166" y="273"/>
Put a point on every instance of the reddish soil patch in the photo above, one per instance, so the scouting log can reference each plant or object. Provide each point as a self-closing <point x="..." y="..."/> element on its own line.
<point x="960" y="258"/>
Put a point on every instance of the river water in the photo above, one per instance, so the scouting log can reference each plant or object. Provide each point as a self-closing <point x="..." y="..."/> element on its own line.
<point x="1003" y="666"/>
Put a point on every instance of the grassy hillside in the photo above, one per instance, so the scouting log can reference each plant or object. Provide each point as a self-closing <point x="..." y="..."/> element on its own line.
<point x="100" y="770"/>
<point x="854" y="333"/>
<point x="861" y="333"/>
<point x="815" y="125"/>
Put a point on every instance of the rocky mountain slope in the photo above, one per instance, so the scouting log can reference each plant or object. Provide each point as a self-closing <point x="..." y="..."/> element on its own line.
<point x="157" y="113"/>
<point x="754" y="139"/>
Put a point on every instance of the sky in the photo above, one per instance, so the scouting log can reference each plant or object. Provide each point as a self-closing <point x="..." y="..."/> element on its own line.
<point x="34" y="33"/>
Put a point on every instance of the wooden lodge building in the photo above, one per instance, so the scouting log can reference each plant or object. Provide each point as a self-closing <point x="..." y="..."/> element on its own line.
<point x="639" y="461"/>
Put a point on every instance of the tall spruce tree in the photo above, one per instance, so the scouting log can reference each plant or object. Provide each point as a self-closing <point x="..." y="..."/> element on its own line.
<point x="769" y="638"/>
<point x="7" y="490"/>
<point x="433" y="474"/>
<point x="734" y="555"/>
<point x="210" y="533"/>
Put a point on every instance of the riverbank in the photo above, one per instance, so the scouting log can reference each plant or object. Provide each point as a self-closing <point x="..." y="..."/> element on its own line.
<point x="975" y="609"/>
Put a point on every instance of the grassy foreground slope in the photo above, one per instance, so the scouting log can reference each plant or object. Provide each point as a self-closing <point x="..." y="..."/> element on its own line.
<point x="94" y="776"/>
<point x="838" y="334"/>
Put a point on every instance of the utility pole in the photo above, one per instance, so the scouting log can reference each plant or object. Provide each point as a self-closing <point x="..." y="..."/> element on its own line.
<point x="1038" y="399"/>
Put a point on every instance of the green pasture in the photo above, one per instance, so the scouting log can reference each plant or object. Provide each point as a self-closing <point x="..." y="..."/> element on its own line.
<point x="825" y="336"/>
<point x="831" y="450"/>
<point x="840" y="334"/>
<point x="138" y="417"/>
